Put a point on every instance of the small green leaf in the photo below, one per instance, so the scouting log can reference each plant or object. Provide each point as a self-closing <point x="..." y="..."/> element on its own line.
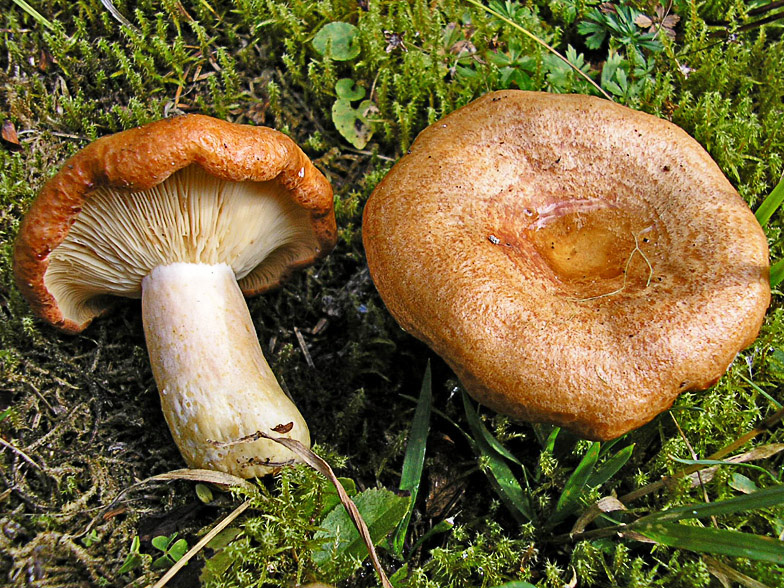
<point x="711" y="540"/>
<point x="204" y="493"/>
<point x="353" y="123"/>
<point x="90" y="539"/>
<point x="614" y="88"/>
<point x="337" y="40"/>
<point x="623" y="81"/>
<point x="515" y="585"/>
<point x="348" y="89"/>
<point x="330" y="496"/>
<point x="132" y="561"/>
<point x="223" y="538"/>
<point x="400" y="575"/>
<point x="172" y="550"/>
<point x="162" y="562"/>
<point x="741" y="483"/>
<point x="177" y="550"/>
<point x="222" y="559"/>
<point x="381" y="510"/>
<point x="161" y="542"/>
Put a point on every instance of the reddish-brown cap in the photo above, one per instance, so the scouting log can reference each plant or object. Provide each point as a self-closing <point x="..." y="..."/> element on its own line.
<point x="574" y="261"/>
<point x="74" y="250"/>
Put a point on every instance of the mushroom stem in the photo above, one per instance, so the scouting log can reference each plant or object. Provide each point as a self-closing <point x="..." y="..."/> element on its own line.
<point x="214" y="382"/>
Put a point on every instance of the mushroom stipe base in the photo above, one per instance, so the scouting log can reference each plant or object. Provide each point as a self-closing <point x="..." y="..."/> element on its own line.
<point x="213" y="380"/>
<point x="191" y="213"/>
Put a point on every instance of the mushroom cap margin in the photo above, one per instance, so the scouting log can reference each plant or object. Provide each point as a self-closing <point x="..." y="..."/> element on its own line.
<point x="526" y="357"/>
<point x="143" y="157"/>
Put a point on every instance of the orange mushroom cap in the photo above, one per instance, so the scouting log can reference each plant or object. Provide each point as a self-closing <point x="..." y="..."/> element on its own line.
<point x="132" y="162"/>
<point x="187" y="214"/>
<point x="575" y="262"/>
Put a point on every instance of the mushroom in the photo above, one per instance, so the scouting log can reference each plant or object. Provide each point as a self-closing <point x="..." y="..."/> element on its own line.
<point x="573" y="261"/>
<point x="188" y="214"/>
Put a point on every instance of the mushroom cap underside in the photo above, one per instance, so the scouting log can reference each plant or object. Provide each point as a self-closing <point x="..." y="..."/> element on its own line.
<point x="195" y="173"/>
<point x="575" y="262"/>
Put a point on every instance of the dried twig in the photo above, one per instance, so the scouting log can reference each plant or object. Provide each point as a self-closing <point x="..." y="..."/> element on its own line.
<point x="304" y="346"/>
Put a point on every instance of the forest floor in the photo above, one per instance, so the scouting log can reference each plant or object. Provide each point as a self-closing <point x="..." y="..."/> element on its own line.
<point x="81" y="430"/>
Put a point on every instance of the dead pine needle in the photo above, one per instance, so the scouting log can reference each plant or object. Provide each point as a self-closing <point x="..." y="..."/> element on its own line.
<point x="117" y="15"/>
<point x="20" y="453"/>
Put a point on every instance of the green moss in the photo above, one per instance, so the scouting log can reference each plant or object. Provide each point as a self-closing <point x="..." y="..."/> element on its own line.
<point x="83" y="409"/>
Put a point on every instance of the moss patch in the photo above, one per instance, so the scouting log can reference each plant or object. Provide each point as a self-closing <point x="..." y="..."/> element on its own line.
<point x="79" y="415"/>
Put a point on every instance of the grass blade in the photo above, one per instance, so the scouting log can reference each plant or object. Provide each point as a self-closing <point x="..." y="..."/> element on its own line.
<point x="549" y="445"/>
<point x="776" y="273"/>
<point x="715" y="541"/>
<point x="722" y="462"/>
<point x="414" y="462"/>
<point x="575" y="485"/>
<point x="770" y="398"/>
<point x="767" y="497"/>
<point x="497" y="470"/>
<point x="536" y="39"/>
<point x="34" y="13"/>
<point x="610" y="467"/>
<point x="442" y="527"/>
<point x="771" y="204"/>
<point x="478" y="426"/>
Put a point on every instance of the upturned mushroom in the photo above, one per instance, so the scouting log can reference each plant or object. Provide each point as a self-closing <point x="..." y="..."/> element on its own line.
<point x="188" y="214"/>
<point x="574" y="262"/>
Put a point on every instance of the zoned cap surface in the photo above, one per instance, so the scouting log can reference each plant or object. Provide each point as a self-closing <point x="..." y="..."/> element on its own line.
<point x="574" y="261"/>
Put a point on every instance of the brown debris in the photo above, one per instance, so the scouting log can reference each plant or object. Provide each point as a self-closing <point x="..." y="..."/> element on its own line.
<point x="10" y="137"/>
